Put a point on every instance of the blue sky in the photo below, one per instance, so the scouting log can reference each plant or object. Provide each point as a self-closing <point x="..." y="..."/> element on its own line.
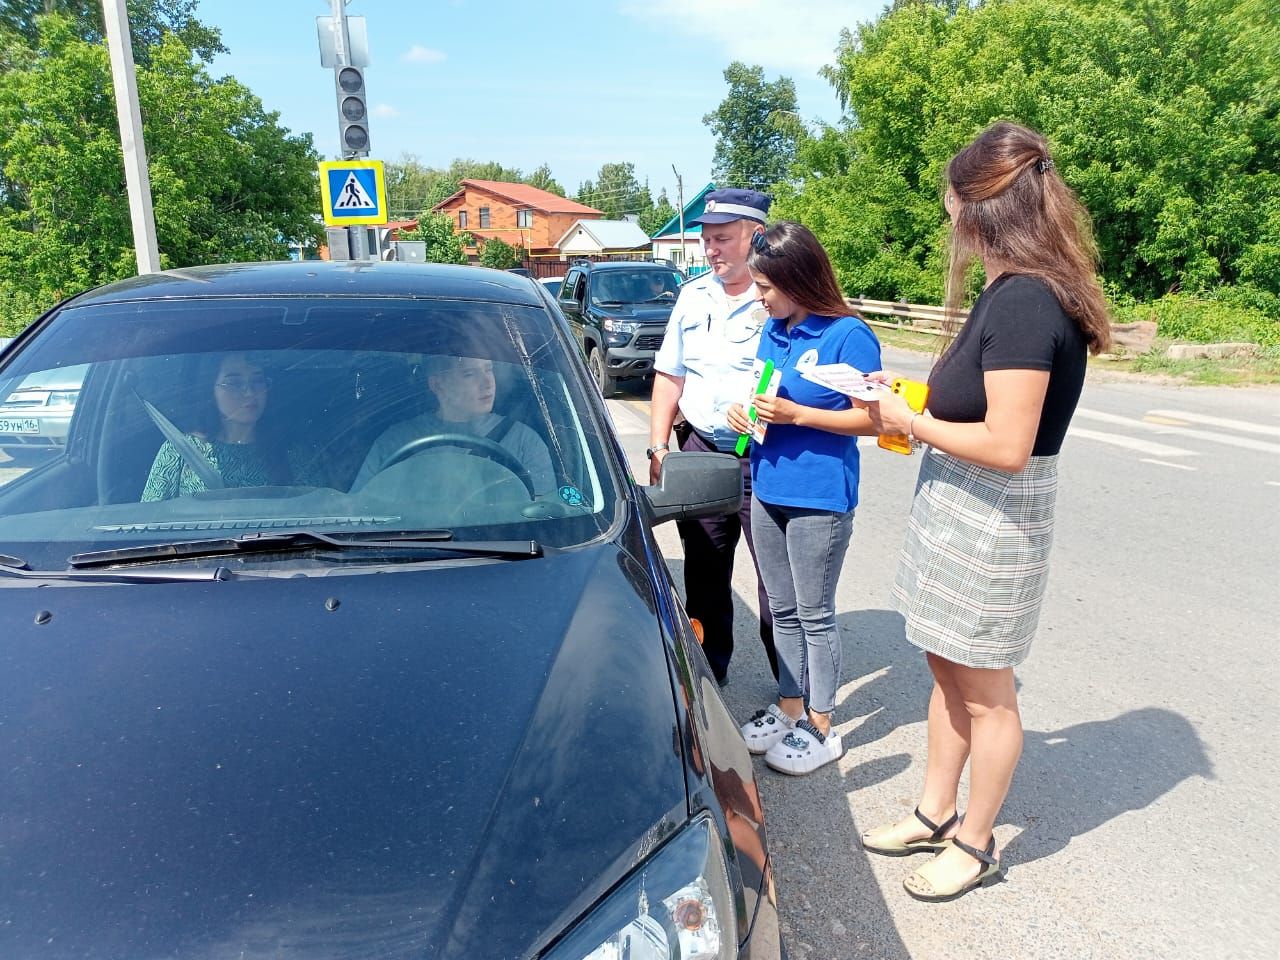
<point x="571" y="84"/>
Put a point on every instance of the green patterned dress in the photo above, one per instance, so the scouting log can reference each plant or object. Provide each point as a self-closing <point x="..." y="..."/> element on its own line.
<point x="239" y="464"/>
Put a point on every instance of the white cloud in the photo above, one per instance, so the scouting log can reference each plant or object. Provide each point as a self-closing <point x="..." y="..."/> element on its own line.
<point x="420" y="54"/>
<point x="385" y="111"/>
<point x="797" y="37"/>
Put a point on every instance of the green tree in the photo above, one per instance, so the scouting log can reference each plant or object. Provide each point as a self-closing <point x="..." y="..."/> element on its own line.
<point x="658" y="214"/>
<point x="543" y="180"/>
<point x="443" y="245"/>
<point x="412" y="186"/>
<point x="149" y="21"/>
<point x="1163" y="115"/>
<point x="616" y="192"/>
<point x="228" y="183"/>
<point x="500" y="255"/>
<point x="756" y="129"/>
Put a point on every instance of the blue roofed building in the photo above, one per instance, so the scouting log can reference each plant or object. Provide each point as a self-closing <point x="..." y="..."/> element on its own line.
<point x="685" y="252"/>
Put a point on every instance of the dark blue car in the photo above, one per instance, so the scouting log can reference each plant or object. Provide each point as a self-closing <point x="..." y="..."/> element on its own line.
<point x="336" y="629"/>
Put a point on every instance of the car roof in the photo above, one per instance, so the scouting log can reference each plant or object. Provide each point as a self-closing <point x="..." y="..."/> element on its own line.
<point x="321" y="278"/>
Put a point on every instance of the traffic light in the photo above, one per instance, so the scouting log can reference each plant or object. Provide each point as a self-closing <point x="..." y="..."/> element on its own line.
<point x="353" y="112"/>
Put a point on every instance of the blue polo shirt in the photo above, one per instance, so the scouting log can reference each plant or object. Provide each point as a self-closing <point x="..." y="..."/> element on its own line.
<point x="800" y="466"/>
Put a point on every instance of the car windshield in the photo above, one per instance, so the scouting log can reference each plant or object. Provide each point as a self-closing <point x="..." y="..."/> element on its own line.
<point x="635" y="286"/>
<point x="189" y="420"/>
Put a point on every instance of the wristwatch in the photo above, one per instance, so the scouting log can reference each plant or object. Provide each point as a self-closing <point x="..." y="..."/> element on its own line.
<point x="650" y="451"/>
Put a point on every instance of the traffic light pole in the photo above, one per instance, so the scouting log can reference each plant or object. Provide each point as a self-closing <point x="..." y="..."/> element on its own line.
<point x="357" y="237"/>
<point x="132" y="145"/>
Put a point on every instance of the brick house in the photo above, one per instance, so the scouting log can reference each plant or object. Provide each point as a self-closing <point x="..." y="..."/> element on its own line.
<point x="516" y="213"/>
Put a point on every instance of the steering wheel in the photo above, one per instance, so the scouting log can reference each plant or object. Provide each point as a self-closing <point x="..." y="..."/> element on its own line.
<point x="486" y="448"/>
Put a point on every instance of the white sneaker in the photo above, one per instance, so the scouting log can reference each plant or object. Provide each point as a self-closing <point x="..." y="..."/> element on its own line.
<point x="766" y="727"/>
<point x="803" y="750"/>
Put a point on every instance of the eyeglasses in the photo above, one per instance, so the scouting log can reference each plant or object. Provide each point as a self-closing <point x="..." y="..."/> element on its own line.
<point x="244" y="384"/>
<point x="758" y="243"/>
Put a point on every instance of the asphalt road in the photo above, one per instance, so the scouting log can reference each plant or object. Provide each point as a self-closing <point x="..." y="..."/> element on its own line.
<point x="1140" y="822"/>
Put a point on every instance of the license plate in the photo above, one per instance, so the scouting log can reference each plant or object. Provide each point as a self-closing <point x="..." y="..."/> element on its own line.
<point x="19" y="425"/>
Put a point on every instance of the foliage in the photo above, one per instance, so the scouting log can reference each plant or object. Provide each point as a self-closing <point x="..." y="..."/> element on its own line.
<point x="411" y="186"/>
<point x="616" y="192"/>
<point x="500" y="255"/>
<point x="1164" y="115"/>
<point x="228" y="183"/>
<point x="1180" y="316"/>
<point x="149" y="21"/>
<point x="651" y="221"/>
<point x="443" y="245"/>
<point x="543" y="180"/>
<point x="756" y="129"/>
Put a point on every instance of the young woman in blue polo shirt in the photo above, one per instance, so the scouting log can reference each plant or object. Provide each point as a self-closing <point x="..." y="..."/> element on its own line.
<point x="804" y="480"/>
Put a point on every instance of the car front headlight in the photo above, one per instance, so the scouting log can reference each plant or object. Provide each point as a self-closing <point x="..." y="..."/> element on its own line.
<point x="614" y="325"/>
<point x="675" y="906"/>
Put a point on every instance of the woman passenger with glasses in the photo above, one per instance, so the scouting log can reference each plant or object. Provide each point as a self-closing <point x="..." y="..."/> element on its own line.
<point x="228" y="435"/>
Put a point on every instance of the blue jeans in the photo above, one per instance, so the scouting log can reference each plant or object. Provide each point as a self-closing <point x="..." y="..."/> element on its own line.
<point x="800" y="553"/>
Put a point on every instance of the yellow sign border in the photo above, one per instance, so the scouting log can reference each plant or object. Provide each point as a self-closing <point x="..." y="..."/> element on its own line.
<point x="379" y="179"/>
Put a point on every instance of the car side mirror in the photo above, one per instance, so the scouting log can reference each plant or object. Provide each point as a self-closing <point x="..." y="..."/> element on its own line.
<point x="695" y="485"/>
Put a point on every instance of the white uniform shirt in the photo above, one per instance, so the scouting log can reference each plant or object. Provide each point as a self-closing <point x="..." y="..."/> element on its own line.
<point x="711" y="342"/>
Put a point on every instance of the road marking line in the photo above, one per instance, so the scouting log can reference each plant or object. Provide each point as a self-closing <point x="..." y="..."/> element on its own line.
<point x="1131" y="443"/>
<point x="1246" y="442"/>
<point x="1166" y="463"/>
<point x="1244" y="426"/>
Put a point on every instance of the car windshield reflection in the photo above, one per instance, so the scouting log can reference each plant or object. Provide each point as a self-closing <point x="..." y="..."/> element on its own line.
<point x="220" y="418"/>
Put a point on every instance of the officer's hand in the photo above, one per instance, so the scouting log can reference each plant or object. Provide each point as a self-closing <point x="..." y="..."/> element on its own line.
<point x="777" y="410"/>
<point x="738" y="419"/>
<point x="655" y="465"/>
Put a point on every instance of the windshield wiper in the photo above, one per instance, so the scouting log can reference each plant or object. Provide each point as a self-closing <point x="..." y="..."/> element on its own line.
<point x="290" y="541"/>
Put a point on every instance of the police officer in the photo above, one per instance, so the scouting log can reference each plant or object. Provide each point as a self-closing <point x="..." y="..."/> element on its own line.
<point x="704" y="365"/>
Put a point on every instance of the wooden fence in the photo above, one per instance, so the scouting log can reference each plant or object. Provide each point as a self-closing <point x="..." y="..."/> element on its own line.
<point x="918" y="318"/>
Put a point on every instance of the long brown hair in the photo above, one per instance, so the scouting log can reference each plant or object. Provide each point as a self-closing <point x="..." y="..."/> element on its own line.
<point x="1016" y="210"/>
<point x="794" y="261"/>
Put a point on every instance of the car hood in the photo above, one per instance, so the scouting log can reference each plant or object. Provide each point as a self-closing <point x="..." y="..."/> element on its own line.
<point x="639" y="312"/>
<point x="447" y="762"/>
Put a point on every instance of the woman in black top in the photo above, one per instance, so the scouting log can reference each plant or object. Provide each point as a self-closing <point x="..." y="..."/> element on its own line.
<point x="972" y="572"/>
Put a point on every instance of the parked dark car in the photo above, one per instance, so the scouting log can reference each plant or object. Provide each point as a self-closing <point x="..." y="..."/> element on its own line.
<point x="618" y="311"/>
<point x="447" y="712"/>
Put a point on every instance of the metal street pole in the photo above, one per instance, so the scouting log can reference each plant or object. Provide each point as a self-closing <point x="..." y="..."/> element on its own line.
<point x="132" y="145"/>
<point x="680" y="200"/>
<point x="357" y="237"/>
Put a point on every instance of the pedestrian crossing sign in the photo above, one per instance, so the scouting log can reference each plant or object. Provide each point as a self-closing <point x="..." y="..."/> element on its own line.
<point x="354" y="192"/>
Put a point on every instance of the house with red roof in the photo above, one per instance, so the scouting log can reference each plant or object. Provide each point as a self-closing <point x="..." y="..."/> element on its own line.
<point x="527" y="218"/>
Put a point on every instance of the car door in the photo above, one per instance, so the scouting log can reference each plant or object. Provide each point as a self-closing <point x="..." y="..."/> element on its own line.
<point x="572" y="296"/>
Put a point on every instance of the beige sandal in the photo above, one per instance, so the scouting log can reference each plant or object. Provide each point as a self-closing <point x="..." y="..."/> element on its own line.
<point x="880" y="841"/>
<point x="919" y="886"/>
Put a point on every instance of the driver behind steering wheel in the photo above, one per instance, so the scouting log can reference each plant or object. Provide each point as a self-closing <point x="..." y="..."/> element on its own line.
<point x="464" y="389"/>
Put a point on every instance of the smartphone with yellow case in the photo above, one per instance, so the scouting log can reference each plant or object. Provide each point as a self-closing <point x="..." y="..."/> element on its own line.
<point x="917" y="395"/>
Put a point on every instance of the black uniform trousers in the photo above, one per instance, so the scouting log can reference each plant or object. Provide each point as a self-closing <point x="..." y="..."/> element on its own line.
<point x="709" y="547"/>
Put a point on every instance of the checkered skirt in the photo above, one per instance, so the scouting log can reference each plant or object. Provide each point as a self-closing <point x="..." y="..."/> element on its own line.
<point x="972" y="572"/>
